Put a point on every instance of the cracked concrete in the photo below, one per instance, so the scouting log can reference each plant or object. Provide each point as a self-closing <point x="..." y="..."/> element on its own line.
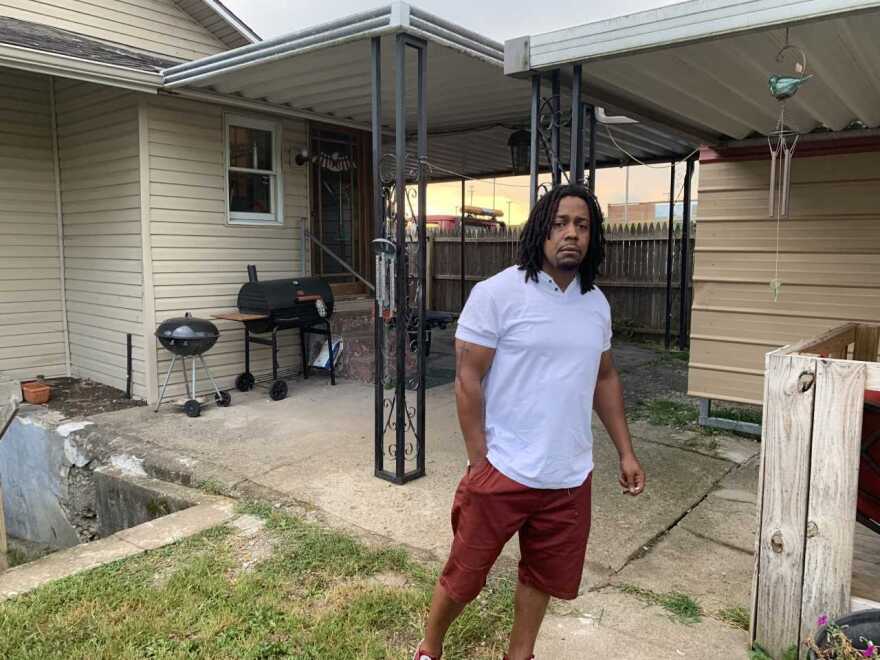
<point x="314" y="452"/>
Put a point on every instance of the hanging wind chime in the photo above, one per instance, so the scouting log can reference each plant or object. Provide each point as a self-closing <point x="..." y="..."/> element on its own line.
<point x="782" y="142"/>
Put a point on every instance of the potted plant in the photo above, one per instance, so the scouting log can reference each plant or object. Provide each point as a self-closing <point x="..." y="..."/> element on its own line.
<point x="36" y="391"/>
<point x="849" y="638"/>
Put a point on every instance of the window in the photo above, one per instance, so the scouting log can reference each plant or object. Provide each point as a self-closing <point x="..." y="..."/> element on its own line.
<point x="253" y="166"/>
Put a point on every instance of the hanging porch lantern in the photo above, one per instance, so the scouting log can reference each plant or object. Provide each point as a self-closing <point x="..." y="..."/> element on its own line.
<point x="520" y="143"/>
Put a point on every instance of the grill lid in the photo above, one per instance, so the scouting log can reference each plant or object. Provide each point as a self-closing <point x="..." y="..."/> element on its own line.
<point x="186" y="335"/>
<point x="187" y="327"/>
<point x="286" y="297"/>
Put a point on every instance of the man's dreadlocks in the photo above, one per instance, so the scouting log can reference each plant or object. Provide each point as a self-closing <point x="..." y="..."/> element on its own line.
<point x="537" y="231"/>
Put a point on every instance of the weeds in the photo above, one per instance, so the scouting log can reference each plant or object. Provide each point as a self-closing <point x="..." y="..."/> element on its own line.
<point x="738" y="617"/>
<point x="681" y="607"/>
<point x="662" y="412"/>
<point x="212" y="487"/>
<point x="757" y="653"/>
<point x="749" y="415"/>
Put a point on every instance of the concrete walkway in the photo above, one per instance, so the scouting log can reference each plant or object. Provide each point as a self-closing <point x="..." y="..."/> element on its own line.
<point x="691" y="531"/>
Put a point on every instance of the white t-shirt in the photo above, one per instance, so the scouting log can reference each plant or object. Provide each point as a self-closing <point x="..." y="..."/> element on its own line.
<point x="539" y="390"/>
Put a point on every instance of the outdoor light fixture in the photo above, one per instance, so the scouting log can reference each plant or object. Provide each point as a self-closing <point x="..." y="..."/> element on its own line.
<point x="520" y="143"/>
<point x="301" y="157"/>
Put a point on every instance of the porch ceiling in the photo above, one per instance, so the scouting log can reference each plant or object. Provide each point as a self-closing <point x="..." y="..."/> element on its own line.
<point x="702" y="66"/>
<point x="324" y="73"/>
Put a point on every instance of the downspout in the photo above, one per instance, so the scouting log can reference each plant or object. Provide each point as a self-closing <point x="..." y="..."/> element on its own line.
<point x="56" y="161"/>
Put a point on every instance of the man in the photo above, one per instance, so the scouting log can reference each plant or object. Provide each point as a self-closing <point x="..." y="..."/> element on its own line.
<point x="532" y="359"/>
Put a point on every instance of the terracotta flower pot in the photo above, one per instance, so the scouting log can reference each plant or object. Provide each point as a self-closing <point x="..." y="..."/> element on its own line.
<point x="36" y="392"/>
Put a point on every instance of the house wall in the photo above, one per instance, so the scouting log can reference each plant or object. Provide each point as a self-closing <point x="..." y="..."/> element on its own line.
<point x="156" y="26"/>
<point x="829" y="264"/>
<point x="100" y="194"/>
<point x="199" y="261"/>
<point x="31" y="317"/>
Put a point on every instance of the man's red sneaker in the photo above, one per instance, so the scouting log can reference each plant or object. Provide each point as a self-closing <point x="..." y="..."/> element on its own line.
<point x="424" y="655"/>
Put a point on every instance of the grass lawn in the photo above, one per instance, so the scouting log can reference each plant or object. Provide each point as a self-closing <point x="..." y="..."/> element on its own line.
<point x="290" y="589"/>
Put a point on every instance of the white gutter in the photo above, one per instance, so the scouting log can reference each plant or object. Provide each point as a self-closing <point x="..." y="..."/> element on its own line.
<point x="319" y="36"/>
<point x="56" y="162"/>
<point x="64" y="66"/>
<point x="678" y="24"/>
<point x="395" y="18"/>
<point x="450" y="32"/>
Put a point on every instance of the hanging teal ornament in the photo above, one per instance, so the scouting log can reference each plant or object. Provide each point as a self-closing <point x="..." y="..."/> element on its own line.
<point x="784" y="87"/>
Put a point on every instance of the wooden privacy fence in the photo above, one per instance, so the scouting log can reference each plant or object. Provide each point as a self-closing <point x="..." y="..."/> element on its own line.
<point x="633" y="277"/>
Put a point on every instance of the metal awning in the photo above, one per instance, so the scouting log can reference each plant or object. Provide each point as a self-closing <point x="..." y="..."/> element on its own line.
<point x="323" y="74"/>
<point x="701" y="67"/>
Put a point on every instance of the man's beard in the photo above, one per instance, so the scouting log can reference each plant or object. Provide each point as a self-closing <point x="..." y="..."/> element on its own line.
<point x="568" y="266"/>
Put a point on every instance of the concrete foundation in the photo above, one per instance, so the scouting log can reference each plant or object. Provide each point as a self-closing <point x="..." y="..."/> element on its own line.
<point x="58" y="494"/>
<point x="34" y="469"/>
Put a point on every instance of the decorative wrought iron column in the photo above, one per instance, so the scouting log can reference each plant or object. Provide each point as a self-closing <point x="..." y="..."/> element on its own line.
<point x="576" y="167"/>
<point x="555" y="129"/>
<point x="379" y="229"/>
<point x="401" y="275"/>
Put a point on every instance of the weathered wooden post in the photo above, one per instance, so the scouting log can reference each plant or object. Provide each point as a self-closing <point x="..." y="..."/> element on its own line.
<point x="10" y="397"/>
<point x="813" y="402"/>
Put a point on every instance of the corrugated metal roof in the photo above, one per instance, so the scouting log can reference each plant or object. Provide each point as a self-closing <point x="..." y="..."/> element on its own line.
<point x="702" y="66"/>
<point x="472" y="106"/>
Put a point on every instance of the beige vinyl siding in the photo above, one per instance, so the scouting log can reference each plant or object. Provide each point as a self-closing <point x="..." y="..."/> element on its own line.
<point x="829" y="264"/>
<point x="200" y="261"/>
<point x="98" y="153"/>
<point x="157" y="26"/>
<point x="31" y="317"/>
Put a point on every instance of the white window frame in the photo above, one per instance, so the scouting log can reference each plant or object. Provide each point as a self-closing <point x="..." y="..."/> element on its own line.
<point x="276" y="185"/>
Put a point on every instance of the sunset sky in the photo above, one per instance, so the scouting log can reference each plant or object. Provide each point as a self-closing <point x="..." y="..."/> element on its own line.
<point x="494" y="19"/>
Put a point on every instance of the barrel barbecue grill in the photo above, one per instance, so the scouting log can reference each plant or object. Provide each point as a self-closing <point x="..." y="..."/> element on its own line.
<point x="268" y="307"/>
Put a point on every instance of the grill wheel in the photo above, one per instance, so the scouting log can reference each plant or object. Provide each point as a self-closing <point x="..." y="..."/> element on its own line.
<point x="192" y="408"/>
<point x="223" y="399"/>
<point x="278" y="390"/>
<point x="245" y="382"/>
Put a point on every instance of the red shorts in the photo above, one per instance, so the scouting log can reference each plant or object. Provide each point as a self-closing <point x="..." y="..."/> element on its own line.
<point x="553" y="525"/>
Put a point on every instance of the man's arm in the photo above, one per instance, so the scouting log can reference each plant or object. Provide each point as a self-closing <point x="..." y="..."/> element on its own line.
<point x="608" y="403"/>
<point x="472" y="362"/>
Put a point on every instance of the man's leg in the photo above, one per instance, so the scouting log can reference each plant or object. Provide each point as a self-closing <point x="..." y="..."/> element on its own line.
<point x="487" y="510"/>
<point x="444" y="611"/>
<point x="531" y="604"/>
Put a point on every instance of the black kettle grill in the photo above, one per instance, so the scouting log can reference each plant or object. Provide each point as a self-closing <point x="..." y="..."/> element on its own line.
<point x="189" y="337"/>
<point x="271" y="306"/>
